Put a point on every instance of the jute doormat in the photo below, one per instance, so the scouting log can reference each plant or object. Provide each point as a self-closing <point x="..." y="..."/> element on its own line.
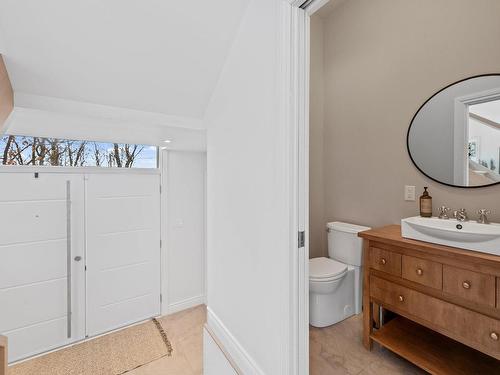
<point x="112" y="354"/>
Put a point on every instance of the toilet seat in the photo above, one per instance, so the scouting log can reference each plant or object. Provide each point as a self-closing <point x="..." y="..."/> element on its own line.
<point x="326" y="269"/>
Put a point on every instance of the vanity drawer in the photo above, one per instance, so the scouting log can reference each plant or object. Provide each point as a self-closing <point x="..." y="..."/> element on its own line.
<point x="423" y="271"/>
<point x="386" y="261"/>
<point x="471" y="328"/>
<point x="473" y="286"/>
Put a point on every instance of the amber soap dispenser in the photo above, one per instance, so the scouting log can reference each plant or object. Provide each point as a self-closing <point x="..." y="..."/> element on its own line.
<point x="425" y="204"/>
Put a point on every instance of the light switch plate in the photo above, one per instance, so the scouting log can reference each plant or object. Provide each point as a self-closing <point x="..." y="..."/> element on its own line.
<point x="409" y="193"/>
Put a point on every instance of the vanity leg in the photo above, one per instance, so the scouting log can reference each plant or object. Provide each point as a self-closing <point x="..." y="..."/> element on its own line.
<point x="367" y="305"/>
<point x="376" y="315"/>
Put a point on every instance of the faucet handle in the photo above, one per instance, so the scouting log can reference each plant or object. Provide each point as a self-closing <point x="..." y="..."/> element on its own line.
<point x="443" y="212"/>
<point x="483" y="218"/>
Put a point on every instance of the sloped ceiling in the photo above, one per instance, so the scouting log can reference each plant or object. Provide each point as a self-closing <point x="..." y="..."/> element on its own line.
<point x="160" y="56"/>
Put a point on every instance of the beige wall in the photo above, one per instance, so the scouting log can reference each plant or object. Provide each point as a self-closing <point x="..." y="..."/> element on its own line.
<point x="382" y="60"/>
<point x="6" y="94"/>
<point x="317" y="234"/>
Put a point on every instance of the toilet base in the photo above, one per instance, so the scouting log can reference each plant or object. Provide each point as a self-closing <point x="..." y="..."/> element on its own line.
<point x="328" y="309"/>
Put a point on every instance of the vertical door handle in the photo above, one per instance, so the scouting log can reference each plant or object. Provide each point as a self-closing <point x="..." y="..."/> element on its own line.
<point x="68" y="256"/>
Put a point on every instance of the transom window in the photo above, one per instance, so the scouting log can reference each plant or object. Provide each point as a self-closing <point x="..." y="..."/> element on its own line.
<point x="40" y="151"/>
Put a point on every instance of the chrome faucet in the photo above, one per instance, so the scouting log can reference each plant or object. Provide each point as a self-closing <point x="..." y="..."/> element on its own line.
<point x="483" y="216"/>
<point x="443" y="213"/>
<point x="460" y="215"/>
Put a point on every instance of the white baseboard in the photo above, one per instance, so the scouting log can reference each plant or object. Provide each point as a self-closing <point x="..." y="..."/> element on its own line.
<point x="185" y="304"/>
<point x="233" y="349"/>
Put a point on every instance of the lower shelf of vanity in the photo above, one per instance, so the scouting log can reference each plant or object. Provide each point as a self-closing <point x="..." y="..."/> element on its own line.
<point x="431" y="351"/>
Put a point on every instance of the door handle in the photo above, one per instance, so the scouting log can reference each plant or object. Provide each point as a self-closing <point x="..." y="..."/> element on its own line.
<point x="78" y="258"/>
<point x="68" y="256"/>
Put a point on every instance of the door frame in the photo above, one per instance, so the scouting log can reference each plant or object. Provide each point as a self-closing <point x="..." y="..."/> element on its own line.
<point x="461" y="132"/>
<point x="295" y="56"/>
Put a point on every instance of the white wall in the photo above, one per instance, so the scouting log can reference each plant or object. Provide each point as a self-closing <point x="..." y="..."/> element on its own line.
<point x="185" y="229"/>
<point x="383" y="59"/>
<point x="247" y="217"/>
<point x="317" y="221"/>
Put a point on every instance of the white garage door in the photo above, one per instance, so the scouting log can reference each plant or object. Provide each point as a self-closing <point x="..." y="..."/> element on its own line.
<point x="123" y="249"/>
<point x="42" y="295"/>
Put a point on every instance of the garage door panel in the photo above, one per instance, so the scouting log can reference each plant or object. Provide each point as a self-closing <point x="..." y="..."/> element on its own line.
<point x="31" y="304"/>
<point x="21" y="264"/>
<point x="124" y="185"/>
<point x="128" y="282"/>
<point x="123" y="250"/>
<point x="126" y="312"/>
<point x="123" y="214"/>
<point x="37" y="338"/>
<point x="33" y="260"/>
<point x="32" y="221"/>
<point x="25" y="187"/>
<point x="120" y="249"/>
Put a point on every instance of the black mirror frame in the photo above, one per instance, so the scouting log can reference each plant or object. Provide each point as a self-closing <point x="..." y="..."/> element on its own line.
<point x="413" y="119"/>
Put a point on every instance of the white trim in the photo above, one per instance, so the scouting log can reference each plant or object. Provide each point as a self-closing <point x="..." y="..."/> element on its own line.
<point x="295" y="70"/>
<point x="87" y="339"/>
<point x="186" y="304"/>
<point x="234" y="350"/>
<point x="461" y="132"/>
<point x="289" y="353"/>
<point x="163" y="159"/>
<point x="76" y="170"/>
<point x="211" y="336"/>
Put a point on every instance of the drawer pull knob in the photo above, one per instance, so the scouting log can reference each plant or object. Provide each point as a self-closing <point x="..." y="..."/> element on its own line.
<point x="383" y="261"/>
<point x="494" y="336"/>
<point x="420" y="271"/>
<point x="401" y="298"/>
<point x="466" y="284"/>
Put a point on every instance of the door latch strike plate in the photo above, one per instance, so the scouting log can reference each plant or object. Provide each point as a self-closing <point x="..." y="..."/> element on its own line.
<point x="302" y="239"/>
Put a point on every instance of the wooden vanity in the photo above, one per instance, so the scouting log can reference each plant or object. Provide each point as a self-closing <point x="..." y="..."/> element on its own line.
<point x="447" y="302"/>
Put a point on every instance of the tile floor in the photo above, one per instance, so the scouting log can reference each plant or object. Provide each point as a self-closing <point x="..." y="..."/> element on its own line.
<point x="333" y="350"/>
<point x="338" y="349"/>
<point x="185" y="332"/>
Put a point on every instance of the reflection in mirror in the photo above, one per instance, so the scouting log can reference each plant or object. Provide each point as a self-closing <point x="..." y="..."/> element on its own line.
<point x="484" y="143"/>
<point x="454" y="138"/>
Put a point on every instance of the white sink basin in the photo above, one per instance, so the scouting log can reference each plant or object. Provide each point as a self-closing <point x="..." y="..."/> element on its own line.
<point x="465" y="235"/>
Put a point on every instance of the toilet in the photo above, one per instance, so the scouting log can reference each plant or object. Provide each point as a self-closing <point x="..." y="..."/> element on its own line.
<point x="335" y="283"/>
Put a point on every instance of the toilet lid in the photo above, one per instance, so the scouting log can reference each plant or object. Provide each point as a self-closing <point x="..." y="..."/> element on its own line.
<point x="325" y="268"/>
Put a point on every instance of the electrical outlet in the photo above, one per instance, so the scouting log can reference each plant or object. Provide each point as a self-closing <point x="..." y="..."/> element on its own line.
<point x="410" y="193"/>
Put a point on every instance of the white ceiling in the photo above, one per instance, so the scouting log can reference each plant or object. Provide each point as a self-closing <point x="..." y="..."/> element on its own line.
<point x="161" y="56"/>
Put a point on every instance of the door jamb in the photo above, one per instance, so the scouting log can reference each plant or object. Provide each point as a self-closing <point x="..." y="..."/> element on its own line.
<point x="295" y="96"/>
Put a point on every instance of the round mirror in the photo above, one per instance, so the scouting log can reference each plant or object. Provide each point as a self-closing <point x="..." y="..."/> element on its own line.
<point x="454" y="138"/>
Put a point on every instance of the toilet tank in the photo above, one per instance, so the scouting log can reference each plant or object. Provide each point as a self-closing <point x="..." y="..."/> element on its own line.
<point x="344" y="244"/>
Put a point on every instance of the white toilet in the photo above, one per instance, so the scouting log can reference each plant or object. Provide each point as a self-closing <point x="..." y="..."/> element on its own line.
<point x="335" y="283"/>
